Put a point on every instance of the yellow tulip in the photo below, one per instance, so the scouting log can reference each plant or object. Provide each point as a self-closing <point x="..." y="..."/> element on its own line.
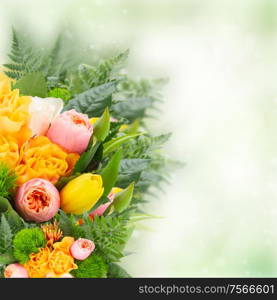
<point x="93" y="120"/>
<point x="81" y="193"/>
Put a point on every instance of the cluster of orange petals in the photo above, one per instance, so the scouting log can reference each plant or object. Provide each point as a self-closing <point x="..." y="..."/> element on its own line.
<point x="52" y="262"/>
<point x="30" y="157"/>
<point x="40" y="158"/>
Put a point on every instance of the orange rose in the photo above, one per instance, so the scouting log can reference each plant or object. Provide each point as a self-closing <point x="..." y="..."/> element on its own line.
<point x="60" y="260"/>
<point x="40" y="158"/>
<point x="14" y="112"/>
<point x="60" y="263"/>
<point x="9" y="152"/>
<point x="64" y="245"/>
<point x="38" y="266"/>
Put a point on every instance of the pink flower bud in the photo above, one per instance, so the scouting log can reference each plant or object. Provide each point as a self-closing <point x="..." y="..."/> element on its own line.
<point x="82" y="248"/>
<point x="37" y="200"/>
<point x="15" y="271"/>
<point x="71" y="130"/>
<point x="99" y="211"/>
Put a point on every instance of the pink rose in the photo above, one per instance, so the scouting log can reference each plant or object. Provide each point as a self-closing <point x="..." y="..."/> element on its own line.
<point x="99" y="211"/>
<point x="15" y="271"/>
<point x="82" y="248"/>
<point x="37" y="200"/>
<point x="71" y="130"/>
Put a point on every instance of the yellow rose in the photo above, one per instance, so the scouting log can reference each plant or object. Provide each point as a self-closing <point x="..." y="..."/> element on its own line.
<point x="5" y="84"/>
<point x="9" y="152"/>
<point x="81" y="193"/>
<point x="38" y="265"/>
<point x="14" y="112"/>
<point x="41" y="158"/>
<point x="60" y="260"/>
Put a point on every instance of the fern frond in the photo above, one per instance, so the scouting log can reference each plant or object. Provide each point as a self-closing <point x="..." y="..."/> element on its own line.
<point x="109" y="235"/>
<point x="135" y="98"/>
<point x="106" y="71"/>
<point x="23" y="58"/>
<point x="6" y="235"/>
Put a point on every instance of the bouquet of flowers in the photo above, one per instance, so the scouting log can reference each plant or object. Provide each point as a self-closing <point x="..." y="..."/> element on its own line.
<point x="76" y="162"/>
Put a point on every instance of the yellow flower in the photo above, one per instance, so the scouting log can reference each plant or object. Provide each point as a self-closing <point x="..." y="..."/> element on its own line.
<point x="14" y="112"/>
<point x="9" y="151"/>
<point x="52" y="262"/>
<point x="5" y="84"/>
<point x="60" y="260"/>
<point x="64" y="245"/>
<point x="81" y="193"/>
<point x="38" y="265"/>
<point x="40" y="158"/>
<point x="93" y="120"/>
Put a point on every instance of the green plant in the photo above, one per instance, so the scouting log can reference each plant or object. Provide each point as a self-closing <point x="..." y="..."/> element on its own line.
<point x="7" y="181"/>
<point x="27" y="241"/>
<point x="92" y="267"/>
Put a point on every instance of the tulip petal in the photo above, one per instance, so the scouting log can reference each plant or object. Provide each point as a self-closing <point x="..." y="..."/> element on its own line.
<point x="43" y="111"/>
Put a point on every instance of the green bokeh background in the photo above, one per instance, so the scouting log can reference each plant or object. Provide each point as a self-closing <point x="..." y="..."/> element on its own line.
<point x="220" y="211"/>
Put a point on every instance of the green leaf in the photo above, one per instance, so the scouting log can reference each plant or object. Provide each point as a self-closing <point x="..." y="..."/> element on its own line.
<point x="115" y="143"/>
<point x="94" y="101"/>
<point x="109" y="234"/>
<point x="68" y="225"/>
<point x="102" y="127"/>
<point x="110" y="172"/>
<point x="92" y="267"/>
<point x="133" y="165"/>
<point x="106" y="71"/>
<point x="6" y="235"/>
<point x="132" y="109"/>
<point x="86" y="158"/>
<point x="63" y="181"/>
<point x="7" y="258"/>
<point x="23" y="58"/>
<point x="15" y="221"/>
<point x="32" y="84"/>
<point x="123" y="198"/>
<point x="130" y="170"/>
<point x="4" y="205"/>
<point x="116" y="271"/>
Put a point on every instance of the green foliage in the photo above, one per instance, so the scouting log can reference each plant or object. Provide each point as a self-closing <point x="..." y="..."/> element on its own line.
<point x="106" y="71"/>
<point x="130" y="170"/>
<point x="68" y="225"/>
<point x="14" y="220"/>
<point x="110" y="172"/>
<point x="6" y="235"/>
<point x="116" y="271"/>
<point x="58" y="92"/>
<point x="24" y="59"/>
<point x="86" y="157"/>
<point x="93" y="101"/>
<point x="109" y="234"/>
<point x="135" y="98"/>
<point x="92" y="267"/>
<point x="123" y="199"/>
<point x="7" y="181"/>
<point x="117" y="142"/>
<point x="32" y="84"/>
<point x="143" y="163"/>
<point x="132" y="109"/>
<point x="27" y="241"/>
<point x="145" y="146"/>
<point x="102" y="126"/>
